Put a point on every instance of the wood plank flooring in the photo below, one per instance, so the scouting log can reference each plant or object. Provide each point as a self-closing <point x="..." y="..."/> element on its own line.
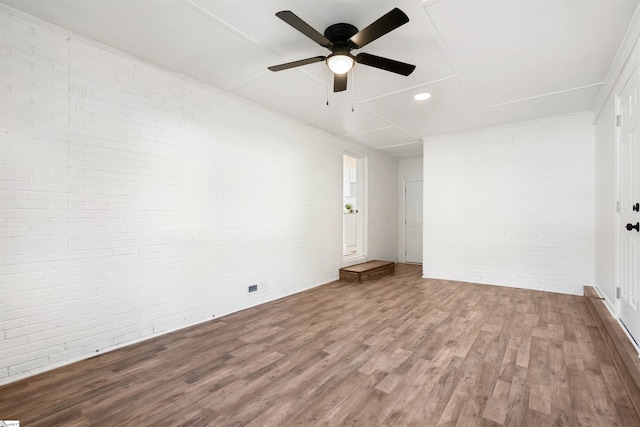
<point x="399" y="350"/>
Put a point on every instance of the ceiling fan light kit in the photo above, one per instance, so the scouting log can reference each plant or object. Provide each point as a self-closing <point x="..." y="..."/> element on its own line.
<point x="340" y="63"/>
<point x="341" y="39"/>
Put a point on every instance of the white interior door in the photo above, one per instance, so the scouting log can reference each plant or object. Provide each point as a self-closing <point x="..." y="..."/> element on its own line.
<point x="413" y="221"/>
<point x="629" y="209"/>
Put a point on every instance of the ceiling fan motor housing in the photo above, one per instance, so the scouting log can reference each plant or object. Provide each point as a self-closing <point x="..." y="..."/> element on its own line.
<point x="339" y="35"/>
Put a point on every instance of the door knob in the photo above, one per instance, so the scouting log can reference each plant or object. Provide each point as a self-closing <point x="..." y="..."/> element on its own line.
<point x="631" y="226"/>
<point x="636" y="207"/>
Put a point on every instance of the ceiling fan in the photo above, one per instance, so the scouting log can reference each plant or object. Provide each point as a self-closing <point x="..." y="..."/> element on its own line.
<point x="341" y="39"/>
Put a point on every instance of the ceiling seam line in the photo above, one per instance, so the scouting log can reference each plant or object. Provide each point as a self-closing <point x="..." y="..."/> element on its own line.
<point x="247" y="80"/>
<point x="431" y="28"/>
<point x="400" y="145"/>
<point x="544" y="95"/>
<point x="230" y="27"/>
<point x="406" y="89"/>
<point x="253" y="41"/>
<point x="408" y="154"/>
<point x="393" y="124"/>
<point x="256" y="43"/>
<point x="368" y="131"/>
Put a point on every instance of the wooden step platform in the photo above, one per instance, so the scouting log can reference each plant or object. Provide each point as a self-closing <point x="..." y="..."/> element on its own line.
<point x="367" y="271"/>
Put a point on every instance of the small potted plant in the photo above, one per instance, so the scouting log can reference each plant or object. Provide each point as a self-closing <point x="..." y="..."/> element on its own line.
<point x="349" y="207"/>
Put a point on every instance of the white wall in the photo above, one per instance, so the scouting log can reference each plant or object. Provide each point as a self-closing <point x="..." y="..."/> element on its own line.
<point x="605" y="202"/>
<point x="512" y="205"/>
<point x="409" y="169"/>
<point x="382" y="212"/>
<point x="135" y="201"/>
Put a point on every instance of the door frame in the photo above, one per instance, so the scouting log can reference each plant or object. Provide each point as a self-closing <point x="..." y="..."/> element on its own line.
<point x="361" y="211"/>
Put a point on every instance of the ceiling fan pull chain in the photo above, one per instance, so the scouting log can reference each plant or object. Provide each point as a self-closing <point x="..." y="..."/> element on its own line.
<point x="328" y="73"/>
<point x="353" y="88"/>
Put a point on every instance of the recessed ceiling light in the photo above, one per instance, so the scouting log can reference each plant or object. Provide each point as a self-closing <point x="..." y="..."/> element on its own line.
<point x="422" y="96"/>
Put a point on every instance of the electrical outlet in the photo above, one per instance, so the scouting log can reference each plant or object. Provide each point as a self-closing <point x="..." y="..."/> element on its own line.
<point x="258" y="287"/>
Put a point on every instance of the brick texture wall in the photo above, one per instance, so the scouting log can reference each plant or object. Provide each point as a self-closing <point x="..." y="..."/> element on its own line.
<point x="135" y="201"/>
<point x="512" y="205"/>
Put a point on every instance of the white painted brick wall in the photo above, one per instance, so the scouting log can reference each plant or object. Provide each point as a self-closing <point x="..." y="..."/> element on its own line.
<point x="512" y="205"/>
<point x="382" y="211"/>
<point x="134" y="201"/>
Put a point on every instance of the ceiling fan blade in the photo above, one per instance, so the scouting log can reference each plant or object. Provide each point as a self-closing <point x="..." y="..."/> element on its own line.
<point x="297" y="63"/>
<point x="340" y="82"/>
<point x="379" y="28"/>
<point x="306" y="29"/>
<point x="385" y="64"/>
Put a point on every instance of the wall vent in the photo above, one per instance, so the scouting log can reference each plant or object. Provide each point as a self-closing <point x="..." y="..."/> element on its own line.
<point x="253" y="288"/>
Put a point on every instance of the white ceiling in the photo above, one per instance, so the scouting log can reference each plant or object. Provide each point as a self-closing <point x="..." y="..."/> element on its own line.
<point x="485" y="62"/>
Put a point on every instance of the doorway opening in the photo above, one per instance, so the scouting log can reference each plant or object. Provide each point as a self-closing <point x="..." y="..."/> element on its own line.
<point x="353" y="204"/>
